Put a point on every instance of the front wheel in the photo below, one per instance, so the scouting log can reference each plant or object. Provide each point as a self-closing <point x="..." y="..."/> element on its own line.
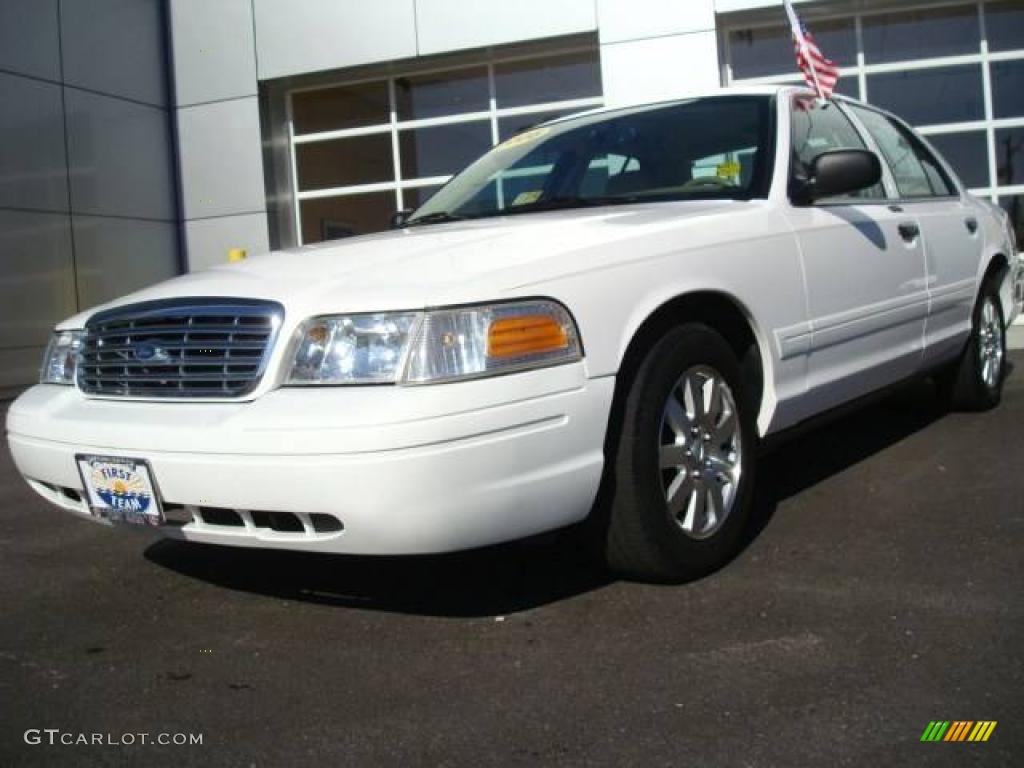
<point x="684" y="461"/>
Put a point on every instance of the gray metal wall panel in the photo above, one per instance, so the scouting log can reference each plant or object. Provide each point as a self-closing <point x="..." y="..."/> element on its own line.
<point x="29" y="41"/>
<point x="115" y="47"/>
<point x="214" y="51"/>
<point x="327" y="34"/>
<point x="448" y="25"/>
<point x="18" y="366"/>
<point x="122" y="185"/>
<point x="37" y="285"/>
<point x="209" y="240"/>
<point x="118" y="256"/>
<point x="221" y="158"/>
<point x="638" y="19"/>
<point x="33" y="169"/>
<point x="119" y="154"/>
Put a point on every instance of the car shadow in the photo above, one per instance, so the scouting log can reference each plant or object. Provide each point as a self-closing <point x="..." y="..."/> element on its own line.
<point x="809" y="456"/>
<point x="493" y="581"/>
<point x="527" y="574"/>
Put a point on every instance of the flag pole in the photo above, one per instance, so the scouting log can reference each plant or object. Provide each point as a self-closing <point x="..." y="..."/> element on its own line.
<point x="794" y="23"/>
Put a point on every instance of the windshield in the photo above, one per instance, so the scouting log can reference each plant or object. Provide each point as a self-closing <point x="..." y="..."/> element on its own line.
<point x="709" y="148"/>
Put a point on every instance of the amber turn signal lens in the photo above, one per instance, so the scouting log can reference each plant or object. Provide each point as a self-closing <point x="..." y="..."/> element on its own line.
<point x="525" y="335"/>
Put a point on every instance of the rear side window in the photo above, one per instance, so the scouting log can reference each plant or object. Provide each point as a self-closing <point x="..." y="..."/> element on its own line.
<point x="915" y="170"/>
<point x="819" y="128"/>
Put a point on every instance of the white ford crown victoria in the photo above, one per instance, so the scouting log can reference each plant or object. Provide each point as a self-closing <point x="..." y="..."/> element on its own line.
<point x="606" y="313"/>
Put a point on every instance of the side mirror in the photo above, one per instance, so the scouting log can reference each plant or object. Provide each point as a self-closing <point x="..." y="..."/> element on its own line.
<point x="838" y="172"/>
<point x="398" y="218"/>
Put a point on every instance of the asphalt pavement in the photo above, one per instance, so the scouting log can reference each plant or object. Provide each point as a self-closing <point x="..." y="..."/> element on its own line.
<point x="880" y="590"/>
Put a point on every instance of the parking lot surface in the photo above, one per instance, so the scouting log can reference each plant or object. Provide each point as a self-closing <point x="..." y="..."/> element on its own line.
<point x="881" y="589"/>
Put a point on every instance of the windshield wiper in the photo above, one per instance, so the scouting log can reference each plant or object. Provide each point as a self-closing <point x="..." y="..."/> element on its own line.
<point x="572" y="201"/>
<point x="548" y="204"/>
<point x="437" y="217"/>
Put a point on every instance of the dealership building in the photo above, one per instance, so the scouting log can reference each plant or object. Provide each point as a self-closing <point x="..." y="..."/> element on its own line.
<point x="143" y="138"/>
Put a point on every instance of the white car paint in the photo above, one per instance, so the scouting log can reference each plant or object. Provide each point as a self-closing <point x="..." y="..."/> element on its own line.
<point x="442" y="467"/>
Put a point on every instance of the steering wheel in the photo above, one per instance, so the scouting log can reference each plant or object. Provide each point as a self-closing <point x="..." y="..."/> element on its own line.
<point x="708" y="181"/>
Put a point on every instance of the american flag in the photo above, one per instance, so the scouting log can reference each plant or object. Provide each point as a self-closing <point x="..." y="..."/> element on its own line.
<point x="820" y="73"/>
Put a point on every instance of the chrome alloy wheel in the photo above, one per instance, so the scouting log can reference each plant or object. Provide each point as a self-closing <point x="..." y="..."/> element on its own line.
<point x="990" y="344"/>
<point x="700" y="452"/>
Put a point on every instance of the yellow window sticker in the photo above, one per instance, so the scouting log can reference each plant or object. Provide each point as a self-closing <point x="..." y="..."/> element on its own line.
<point x="526" y="137"/>
<point x="728" y="170"/>
<point x="525" y="198"/>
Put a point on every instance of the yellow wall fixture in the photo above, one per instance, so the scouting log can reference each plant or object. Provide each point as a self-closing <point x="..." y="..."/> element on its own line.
<point x="236" y="254"/>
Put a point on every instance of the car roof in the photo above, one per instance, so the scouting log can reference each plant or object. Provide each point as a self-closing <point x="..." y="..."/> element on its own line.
<point x="733" y="90"/>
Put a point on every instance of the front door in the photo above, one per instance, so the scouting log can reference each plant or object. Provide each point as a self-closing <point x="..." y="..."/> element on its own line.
<point x="864" y="267"/>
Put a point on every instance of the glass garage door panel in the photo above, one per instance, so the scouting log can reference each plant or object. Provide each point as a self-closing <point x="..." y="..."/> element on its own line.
<point x="1008" y="88"/>
<point x="930" y="96"/>
<point x="766" y="51"/>
<point x="922" y="34"/>
<point x="1010" y="157"/>
<point x="537" y="81"/>
<point x="332" y="109"/>
<point x="848" y="86"/>
<point x="1004" y="25"/>
<point x="967" y="153"/>
<point x="443" y="149"/>
<point x="442" y="93"/>
<point x="510" y="126"/>
<point x="417" y="196"/>
<point x="1014" y="205"/>
<point x="344" y="162"/>
<point x="330" y="218"/>
<point x="362" y="150"/>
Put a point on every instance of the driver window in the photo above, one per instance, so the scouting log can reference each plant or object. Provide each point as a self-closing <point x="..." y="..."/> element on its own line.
<point x="819" y="128"/>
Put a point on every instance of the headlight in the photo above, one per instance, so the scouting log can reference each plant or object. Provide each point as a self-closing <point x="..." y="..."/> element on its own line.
<point x="434" y="346"/>
<point x="500" y="338"/>
<point x="60" y="361"/>
<point x="351" y="349"/>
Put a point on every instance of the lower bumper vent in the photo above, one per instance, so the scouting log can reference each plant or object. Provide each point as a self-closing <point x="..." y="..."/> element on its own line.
<point x="258" y="521"/>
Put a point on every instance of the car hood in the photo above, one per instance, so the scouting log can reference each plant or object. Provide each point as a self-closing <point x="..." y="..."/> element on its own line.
<point x="458" y="262"/>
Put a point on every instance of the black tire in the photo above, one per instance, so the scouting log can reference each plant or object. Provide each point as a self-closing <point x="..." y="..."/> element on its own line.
<point x="644" y="540"/>
<point x="964" y="385"/>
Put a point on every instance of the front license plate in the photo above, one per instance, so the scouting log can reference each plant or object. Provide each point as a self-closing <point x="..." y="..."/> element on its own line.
<point x="120" y="490"/>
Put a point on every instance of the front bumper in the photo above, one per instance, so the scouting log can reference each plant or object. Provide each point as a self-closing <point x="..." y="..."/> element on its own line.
<point x="403" y="470"/>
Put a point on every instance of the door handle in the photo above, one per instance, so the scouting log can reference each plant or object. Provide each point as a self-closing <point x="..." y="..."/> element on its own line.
<point x="972" y="224"/>
<point x="909" y="231"/>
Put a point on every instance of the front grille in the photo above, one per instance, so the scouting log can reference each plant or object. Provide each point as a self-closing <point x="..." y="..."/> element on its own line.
<point x="182" y="348"/>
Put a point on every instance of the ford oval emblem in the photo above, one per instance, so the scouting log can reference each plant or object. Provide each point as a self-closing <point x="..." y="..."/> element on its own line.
<point x="145" y="351"/>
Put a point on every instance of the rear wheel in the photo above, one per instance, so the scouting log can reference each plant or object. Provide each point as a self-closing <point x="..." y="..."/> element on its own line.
<point x="684" y="462"/>
<point x="975" y="381"/>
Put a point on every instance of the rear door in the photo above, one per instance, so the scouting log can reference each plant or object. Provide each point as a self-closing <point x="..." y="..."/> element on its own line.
<point x="864" y="269"/>
<point x="951" y="231"/>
